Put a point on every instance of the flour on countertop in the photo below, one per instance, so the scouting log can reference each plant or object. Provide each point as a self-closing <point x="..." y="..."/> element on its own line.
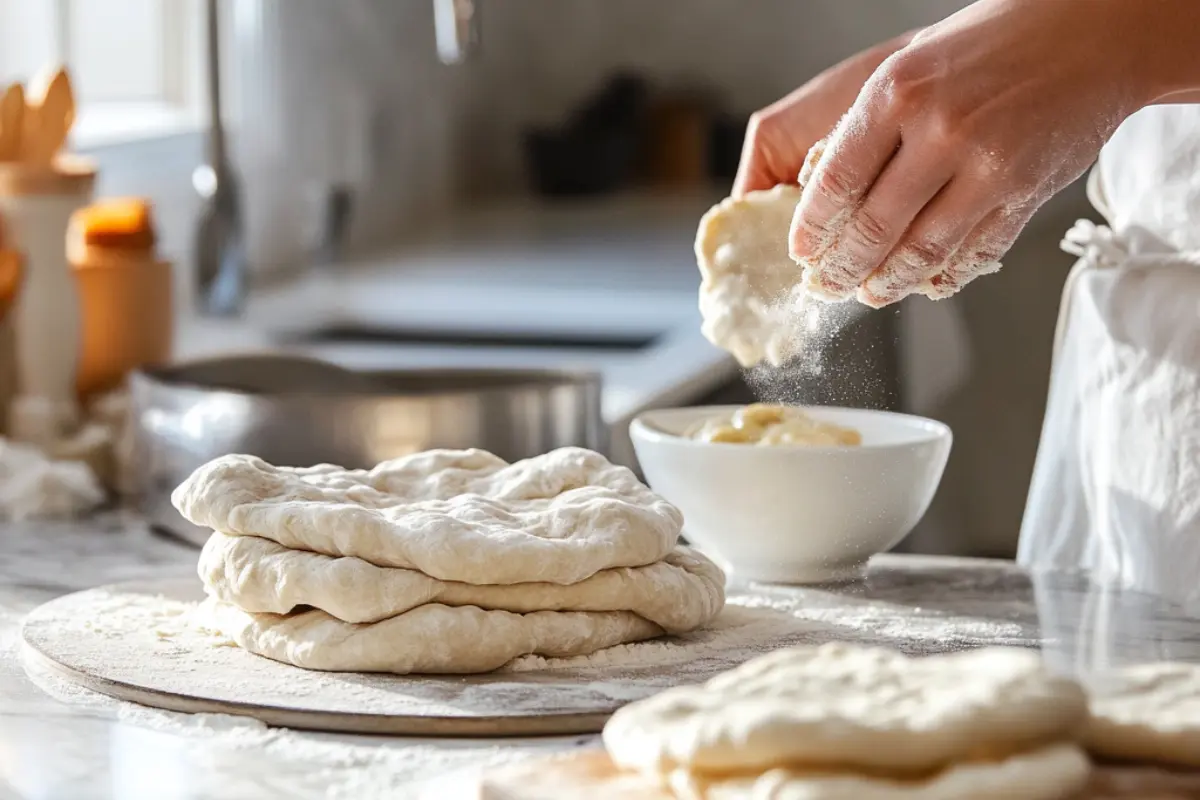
<point x="32" y="486"/>
<point x="118" y="631"/>
<point x="67" y="478"/>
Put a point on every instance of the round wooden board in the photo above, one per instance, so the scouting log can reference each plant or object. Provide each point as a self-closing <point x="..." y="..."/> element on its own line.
<point x="132" y="642"/>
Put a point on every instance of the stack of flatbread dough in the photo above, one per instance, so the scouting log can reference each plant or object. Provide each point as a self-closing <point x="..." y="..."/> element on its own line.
<point x="845" y="722"/>
<point x="446" y="561"/>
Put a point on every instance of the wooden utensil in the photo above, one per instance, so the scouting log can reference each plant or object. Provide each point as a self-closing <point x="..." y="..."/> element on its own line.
<point x="12" y="118"/>
<point x="49" y="115"/>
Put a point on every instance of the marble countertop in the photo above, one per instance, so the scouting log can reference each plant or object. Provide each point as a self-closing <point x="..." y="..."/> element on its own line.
<point x="58" y="743"/>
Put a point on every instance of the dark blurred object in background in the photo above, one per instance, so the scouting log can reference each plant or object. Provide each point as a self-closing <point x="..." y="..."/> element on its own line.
<point x="677" y="140"/>
<point x="597" y="150"/>
<point x="625" y="134"/>
<point x="726" y="135"/>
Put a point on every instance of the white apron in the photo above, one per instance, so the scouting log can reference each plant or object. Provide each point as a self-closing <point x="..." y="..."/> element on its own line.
<point x="1116" y="485"/>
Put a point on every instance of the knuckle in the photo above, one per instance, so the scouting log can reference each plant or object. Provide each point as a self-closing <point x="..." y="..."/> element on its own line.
<point x="906" y="76"/>
<point x="755" y="126"/>
<point x="869" y="228"/>
<point x="946" y="129"/>
<point x="763" y="123"/>
<point x="927" y="253"/>
<point x="834" y="184"/>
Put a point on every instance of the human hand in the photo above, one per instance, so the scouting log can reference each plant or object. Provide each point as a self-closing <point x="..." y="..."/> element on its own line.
<point x="959" y="137"/>
<point x="780" y="135"/>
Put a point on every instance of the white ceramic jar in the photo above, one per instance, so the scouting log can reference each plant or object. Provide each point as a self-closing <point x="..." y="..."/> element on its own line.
<point x="37" y="202"/>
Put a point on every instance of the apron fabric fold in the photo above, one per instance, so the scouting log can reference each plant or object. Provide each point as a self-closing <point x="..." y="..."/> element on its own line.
<point x="1116" y="485"/>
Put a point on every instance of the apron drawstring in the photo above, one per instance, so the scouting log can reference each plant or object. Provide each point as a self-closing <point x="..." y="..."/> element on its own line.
<point x="1094" y="245"/>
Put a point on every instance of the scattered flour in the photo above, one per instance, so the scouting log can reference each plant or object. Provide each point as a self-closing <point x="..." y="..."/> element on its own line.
<point x="64" y="476"/>
<point x="116" y="632"/>
<point x="32" y="486"/>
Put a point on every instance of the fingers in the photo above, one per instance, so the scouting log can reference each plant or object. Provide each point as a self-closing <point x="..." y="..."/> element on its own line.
<point x="856" y="155"/>
<point x="980" y="254"/>
<point x="754" y="169"/>
<point x="910" y="180"/>
<point x="777" y="137"/>
<point x="925" y="249"/>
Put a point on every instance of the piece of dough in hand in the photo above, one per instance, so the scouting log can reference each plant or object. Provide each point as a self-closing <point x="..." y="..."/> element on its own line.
<point x="750" y="286"/>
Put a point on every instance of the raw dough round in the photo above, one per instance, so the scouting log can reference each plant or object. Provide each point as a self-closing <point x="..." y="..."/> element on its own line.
<point x="1148" y="713"/>
<point x="851" y="706"/>
<point x="432" y="638"/>
<point x="456" y="515"/>
<point x="751" y="285"/>
<point x="680" y="593"/>
<point x="1052" y="773"/>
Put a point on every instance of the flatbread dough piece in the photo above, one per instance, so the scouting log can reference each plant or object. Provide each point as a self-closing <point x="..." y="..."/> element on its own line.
<point x="1050" y="773"/>
<point x="1147" y="713"/>
<point x="680" y="593"/>
<point x="432" y="638"/>
<point x="849" y="706"/>
<point x="750" y="285"/>
<point x="456" y="515"/>
<point x="1056" y="772"/>
<point x="1140" y="782"/>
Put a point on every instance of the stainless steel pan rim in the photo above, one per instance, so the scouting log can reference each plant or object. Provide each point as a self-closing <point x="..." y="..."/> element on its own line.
<point x="350" y="383"/>
<point x="300" y="412"/>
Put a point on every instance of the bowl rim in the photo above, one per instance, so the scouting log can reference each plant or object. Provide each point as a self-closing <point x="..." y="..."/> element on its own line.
<point x="641" y="429"/>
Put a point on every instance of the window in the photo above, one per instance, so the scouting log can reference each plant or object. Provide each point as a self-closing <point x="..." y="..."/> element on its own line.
<point x="136" y="64"/>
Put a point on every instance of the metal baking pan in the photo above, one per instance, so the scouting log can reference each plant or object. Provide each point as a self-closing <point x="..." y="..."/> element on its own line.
<point x="299" y="412"/>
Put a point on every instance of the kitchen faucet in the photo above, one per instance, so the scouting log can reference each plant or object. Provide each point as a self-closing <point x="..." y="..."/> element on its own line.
<point x="456" y="25"/>
<point x="220" y="250"/>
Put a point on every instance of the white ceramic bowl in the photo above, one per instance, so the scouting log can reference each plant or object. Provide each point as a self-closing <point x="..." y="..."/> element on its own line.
<point x="795" y="514"/>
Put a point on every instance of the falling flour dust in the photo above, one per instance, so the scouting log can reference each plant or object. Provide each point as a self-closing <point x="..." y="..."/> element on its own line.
<point x="828" y="365"/>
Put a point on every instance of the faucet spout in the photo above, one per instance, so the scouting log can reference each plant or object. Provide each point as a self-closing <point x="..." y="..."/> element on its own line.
<point x="456" y="26"/>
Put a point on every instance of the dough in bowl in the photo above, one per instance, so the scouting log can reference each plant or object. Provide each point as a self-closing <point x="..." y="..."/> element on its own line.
<point x="680" y="593"/>
<point x="455" y="515"/>
<point x="750" y="285"/>
<point x="1147" y="713"/>
<point x="856" y="708"/>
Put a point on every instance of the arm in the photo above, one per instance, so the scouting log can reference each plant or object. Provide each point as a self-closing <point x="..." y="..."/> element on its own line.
<point x="958" y="137"/>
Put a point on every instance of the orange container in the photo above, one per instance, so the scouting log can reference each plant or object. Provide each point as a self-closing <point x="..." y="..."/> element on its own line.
<point x="125" y="293"/>
<point x="12" y="269"/>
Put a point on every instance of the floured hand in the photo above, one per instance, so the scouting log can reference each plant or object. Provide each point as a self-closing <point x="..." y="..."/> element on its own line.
<point x="959" y="137"/>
